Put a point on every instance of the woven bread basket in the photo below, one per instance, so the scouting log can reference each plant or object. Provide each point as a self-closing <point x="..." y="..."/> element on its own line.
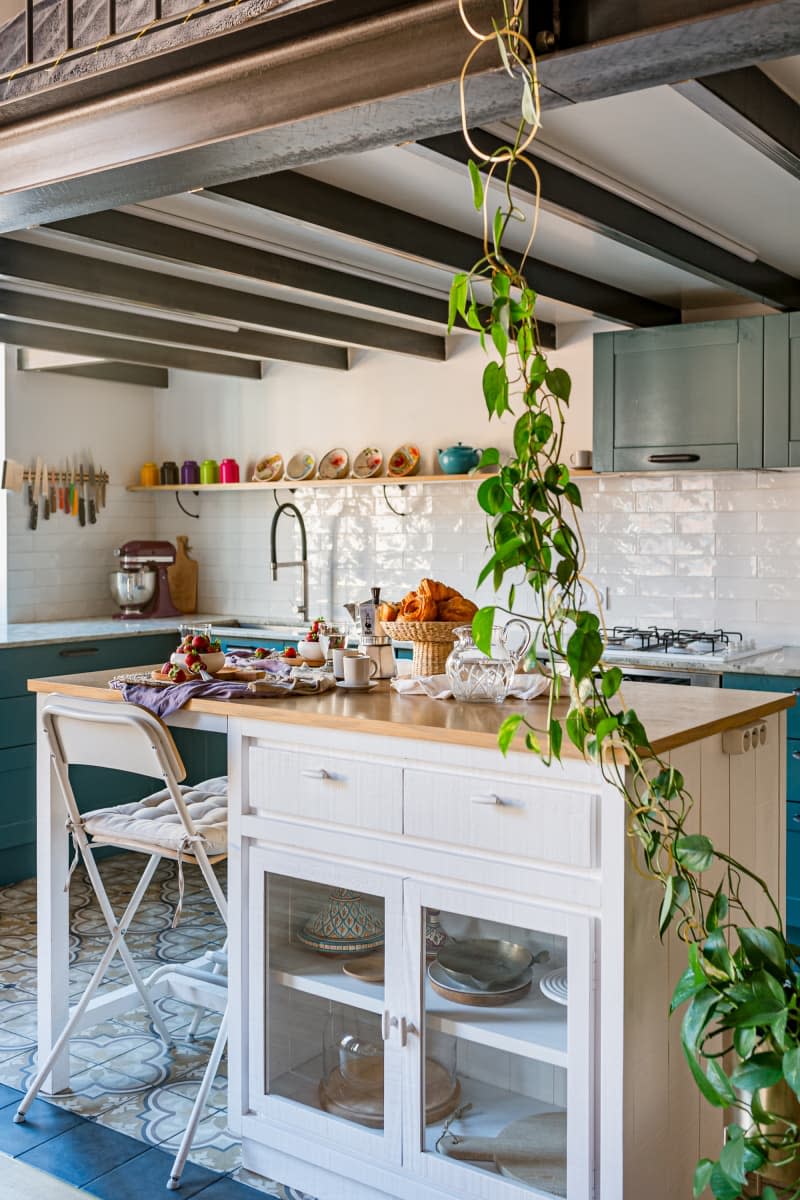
<point x="432" y="642"/>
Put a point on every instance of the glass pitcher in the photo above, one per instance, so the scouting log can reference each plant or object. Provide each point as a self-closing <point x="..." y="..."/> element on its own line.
<point x="483" y="678"/>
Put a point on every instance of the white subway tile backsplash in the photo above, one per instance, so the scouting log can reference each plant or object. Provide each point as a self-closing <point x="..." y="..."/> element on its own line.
<point x="675" y="501"/>
<point x="716" y="522"/>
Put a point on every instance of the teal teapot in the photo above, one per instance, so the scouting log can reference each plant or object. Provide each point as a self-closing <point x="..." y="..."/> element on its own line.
<point x="459" y="459"/>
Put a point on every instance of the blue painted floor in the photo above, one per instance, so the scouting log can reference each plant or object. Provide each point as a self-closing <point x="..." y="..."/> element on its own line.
<point x="99" y="1160"/>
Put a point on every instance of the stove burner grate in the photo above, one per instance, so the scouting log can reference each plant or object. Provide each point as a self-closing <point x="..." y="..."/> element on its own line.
<point x="673" y="641"/>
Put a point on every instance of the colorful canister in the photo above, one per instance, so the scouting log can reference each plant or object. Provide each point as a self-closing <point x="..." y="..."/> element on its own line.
<point x="190" y="471"/>
<point x="209" y="471"/>
<point x="149" y="474"/>
<point x="169" y="472"/>
<point x="229" y="471"/>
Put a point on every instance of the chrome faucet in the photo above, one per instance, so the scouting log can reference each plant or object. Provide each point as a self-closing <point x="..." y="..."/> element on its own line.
<point x="302" y="562"/>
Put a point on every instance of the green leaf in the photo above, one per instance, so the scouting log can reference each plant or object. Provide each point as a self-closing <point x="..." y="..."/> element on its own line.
<point x="763" y="946"/>
<point x="665" y="913"/>
<point x="524" y="342"/>
<point x="489" y="458"/>
<point x="584" y="651"/>
<point x="791" y="1069"/>
<point x="501" y="284"/>
<point x="702" y="1176"/>
<point x="732" y="1159"/>
<point x="528" y="104"/>
<point x="611" y="682"/>
<point x="759" y="1071"/>
<point x="559" y="383"/>
<point x="482" y="625"/>
<point x="717" y="910"/>
<point x="507" y="730"/>
<point x="606" y="727"/>
<point x="720" y="1081"/>
<point x="501" y="46"/>
<point x="495" y="388"/>
<point x="491" y="496"/>
<point x="723" y="1187"/>
<point x="745" y="1041"/>
<point x="695" y="852"/>
<point x="532" y="742"/>
<point x="459" y="291"/>
<point x="477" y="184"/>
<point x="500" y="338"/>
<point x="687" y="986"/>
<point x="556" y="738"/>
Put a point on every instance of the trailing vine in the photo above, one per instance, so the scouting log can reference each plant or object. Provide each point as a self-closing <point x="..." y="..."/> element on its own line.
<point x="740" y="994"/>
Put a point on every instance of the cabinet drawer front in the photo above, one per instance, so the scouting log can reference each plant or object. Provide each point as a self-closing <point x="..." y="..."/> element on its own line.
<point x="17" y="721"/>
<point x="769" y="683"/>
<point x="793" y="770"/>
<point x="520" y="819"/>
<point x="321" y="785"/>
<point x="702" y="458"/>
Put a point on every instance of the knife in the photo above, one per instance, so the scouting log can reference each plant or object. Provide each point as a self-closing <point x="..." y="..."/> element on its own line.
<point x="81" y="497"/>
<point x="61" y="476"/>
<point x="29" y="485"/>
<point x="102" y="492"/>
<point x="92" y="503"/>
<point x="73" y="494"/>
<point x="37" y="479"/>
<point x="53" y="495"/>
<point x="45" y="494"/>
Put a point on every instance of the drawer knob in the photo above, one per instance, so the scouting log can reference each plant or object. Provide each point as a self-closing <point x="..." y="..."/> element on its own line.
<point x="489" y="798"/>
<point x="315" y="773"/>
<point x="796" y="754"/>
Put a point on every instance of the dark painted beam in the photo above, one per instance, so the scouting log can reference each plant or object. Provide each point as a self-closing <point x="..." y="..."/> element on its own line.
<point x="158" y="239"/>
<point x="30" y="263"/>
<point x="599" y="209"/>
<point x="378" y="224"/>
<point x="248" y="343"/>
<point x="108" y="372"/>
<point x="750" y="105"/>
<point x="71" y="341"/>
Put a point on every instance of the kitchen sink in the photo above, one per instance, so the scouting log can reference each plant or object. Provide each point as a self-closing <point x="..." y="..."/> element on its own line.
<point x="258" y="628"/>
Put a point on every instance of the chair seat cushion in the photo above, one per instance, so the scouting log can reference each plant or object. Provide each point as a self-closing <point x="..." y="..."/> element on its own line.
<point x="155" y="821"/>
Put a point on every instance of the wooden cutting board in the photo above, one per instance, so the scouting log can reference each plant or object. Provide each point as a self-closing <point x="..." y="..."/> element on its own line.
<point x="182" y="576"/>
<point x="532" y="1150"/>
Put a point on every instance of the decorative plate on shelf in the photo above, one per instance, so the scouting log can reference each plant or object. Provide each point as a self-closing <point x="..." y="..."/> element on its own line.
<point x="335" y="464"/>
<point x="368" y="463"/>
<point x="301" y="466"/>
<point x="268" y="469"/>
<point x="554" y="985"/>
<point x="404" y="461"/>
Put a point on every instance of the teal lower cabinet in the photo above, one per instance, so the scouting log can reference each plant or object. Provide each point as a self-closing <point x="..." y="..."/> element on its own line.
<point x="205" y="755"/>
<point x="784" y="683"/>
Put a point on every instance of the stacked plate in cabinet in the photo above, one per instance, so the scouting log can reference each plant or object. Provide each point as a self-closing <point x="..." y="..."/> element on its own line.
<point x="485" y="972"/>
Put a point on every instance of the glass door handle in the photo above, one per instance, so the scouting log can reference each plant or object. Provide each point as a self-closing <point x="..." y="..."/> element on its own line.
<point x="315" y="773"/>
<point x="406" y="1028"/>
<point x="388" y="1024"/>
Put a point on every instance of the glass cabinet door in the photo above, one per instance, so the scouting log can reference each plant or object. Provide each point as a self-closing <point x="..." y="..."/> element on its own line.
<point x="499" y="1083"/>
<point x="327" y="950"/>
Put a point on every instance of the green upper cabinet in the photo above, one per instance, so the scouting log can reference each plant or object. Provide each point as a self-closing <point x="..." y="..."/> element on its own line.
<point x="685" y="397"/>
<point x="782" y="390"/>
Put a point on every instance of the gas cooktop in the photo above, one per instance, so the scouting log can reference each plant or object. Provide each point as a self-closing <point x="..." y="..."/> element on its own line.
<point x="688" y="645"/>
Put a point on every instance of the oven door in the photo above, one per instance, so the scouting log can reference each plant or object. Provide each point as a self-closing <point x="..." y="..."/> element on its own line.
<point x="681" y="678"/>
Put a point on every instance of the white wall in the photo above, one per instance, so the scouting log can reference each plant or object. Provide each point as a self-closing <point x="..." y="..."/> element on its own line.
<point x="60" y="570"/>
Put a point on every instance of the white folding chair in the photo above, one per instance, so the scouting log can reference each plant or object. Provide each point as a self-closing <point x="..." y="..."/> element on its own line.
<point x="188" y="825"/>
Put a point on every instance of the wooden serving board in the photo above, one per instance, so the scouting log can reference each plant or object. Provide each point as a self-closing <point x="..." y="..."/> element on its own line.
<point x="240" y="674"/>
<point x="532" y="1151"/>
<point x="369" y="968"/>
<point x="182" y="576"/>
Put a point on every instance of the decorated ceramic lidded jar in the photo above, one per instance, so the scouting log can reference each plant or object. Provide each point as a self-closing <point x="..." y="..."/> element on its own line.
<point x="486" y="678"/>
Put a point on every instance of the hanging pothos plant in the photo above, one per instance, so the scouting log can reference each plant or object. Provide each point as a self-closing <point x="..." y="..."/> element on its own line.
<point x="739" y="994"/>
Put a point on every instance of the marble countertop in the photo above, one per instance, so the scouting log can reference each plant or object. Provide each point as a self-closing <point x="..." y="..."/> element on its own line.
<point x="39" y="633"/>
<point x="782" y="661"/>
<point x="785" y="661"/>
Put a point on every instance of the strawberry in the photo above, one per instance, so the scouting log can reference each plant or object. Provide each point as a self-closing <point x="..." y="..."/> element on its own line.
<point x="167" y="667"/>
<point x="290" y="652"/>
<point x="201" y="643"/>
<point x="259" y="652"/>
<point x="178" y="675"/>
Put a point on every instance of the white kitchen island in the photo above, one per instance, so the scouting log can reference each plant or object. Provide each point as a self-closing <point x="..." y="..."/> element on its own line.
<point x="406" y="803"/>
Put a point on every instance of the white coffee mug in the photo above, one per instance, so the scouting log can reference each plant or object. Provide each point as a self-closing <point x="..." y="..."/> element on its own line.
<point x="581" y="459"/>
<point x="359" y="669"/>
<point x="339" y="655"/>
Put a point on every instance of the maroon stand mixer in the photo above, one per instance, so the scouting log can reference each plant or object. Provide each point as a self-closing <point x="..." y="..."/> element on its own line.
<point x="141" y="585"/>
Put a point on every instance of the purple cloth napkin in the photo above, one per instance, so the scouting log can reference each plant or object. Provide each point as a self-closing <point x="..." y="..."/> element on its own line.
<point x="166" y="700"/>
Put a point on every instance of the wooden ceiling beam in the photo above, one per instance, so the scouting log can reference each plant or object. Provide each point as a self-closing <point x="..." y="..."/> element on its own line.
<point x="599" y="209"/>
<point x="750" y="105"/>
<point x="377" y="224"/>
<point x="27" y="262"/>
<point x="72" y="341"/>
<point x="174" y="243"/>
<point x="92" y="318"/>
<point x="108" y="372"/>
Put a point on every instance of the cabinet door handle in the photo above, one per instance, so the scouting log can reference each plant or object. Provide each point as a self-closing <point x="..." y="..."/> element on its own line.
<point x="489" y="798"/>
<point x="673" y="458"/>
<point x="796" y="754"/>
<point x="388" y="1024"/>
<point x="406" y="1028"/>
<point x="796" y="691"/>
<point x="796" y="818"/>
<point x="315" y="773"/>
<point x="79" y="652"/>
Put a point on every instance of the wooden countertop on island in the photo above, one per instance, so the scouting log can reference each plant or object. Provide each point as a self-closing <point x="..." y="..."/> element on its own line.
<point x="673" y="716"/>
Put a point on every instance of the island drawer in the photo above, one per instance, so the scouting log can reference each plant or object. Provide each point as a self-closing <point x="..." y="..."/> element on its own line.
<point x="324" y="786"/>
<point x="526" y="820"/>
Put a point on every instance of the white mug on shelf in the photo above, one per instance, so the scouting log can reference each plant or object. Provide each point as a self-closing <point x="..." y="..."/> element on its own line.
<point x="582" y="459"/>
<point x="359" y="669"/>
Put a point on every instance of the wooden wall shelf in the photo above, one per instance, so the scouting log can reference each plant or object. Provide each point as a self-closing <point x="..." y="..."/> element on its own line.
<point x="377" y="481"/>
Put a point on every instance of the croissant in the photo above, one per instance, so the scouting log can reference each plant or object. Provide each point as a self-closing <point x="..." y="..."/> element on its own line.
<point x="418" y="607"/>
<point x="387" y="612"/>
<point x="437" y="591"/>
<point x="457" y="608"/>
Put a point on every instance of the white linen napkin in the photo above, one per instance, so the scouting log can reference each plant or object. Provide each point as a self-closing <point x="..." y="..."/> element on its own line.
<point x="523" y="687"/>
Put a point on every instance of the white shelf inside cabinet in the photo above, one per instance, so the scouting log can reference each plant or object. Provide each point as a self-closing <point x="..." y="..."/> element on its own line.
<point x="305" y="971"/>
<point x="533" y="1027"/>
<point x="493" y="1108"/>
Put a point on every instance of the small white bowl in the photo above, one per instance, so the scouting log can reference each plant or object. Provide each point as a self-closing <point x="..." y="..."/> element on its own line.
<point x="212" y="662"/>
<point x="310" y="652"/>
